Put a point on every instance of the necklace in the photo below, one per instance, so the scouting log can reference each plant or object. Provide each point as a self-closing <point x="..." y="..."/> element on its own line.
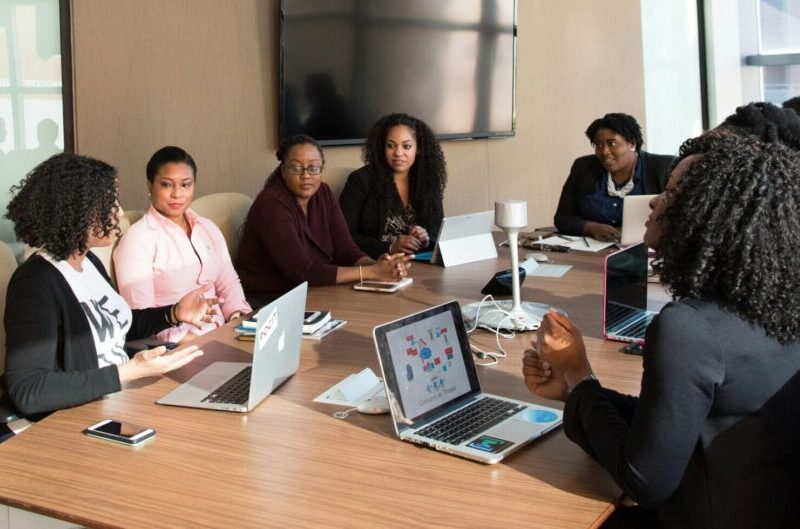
<point x="612" y="188"/>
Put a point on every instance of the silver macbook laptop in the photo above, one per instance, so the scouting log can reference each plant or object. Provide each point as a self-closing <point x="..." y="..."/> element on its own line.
<point x="635" y="210"/>
<point x="434" y="394"/>
<point x="237" y="386"/>
<point x="625" y="314"/>
<point x="463" y="239"/>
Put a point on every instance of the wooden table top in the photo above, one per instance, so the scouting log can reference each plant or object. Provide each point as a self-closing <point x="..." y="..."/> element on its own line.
<point x="289" y="463"/>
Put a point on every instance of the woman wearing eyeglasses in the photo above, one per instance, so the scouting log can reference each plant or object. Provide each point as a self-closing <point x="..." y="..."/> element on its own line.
<point x="591" y="199"/>
<point x="296" y="232"/>
<point x="172" y="249"/>
<point x="394" y="203"/>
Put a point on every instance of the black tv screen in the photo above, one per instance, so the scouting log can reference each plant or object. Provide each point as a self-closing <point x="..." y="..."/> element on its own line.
<point x="345" y="63"/>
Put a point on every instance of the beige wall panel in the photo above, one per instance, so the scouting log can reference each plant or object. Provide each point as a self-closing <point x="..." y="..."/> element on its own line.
<point x="202" y="74"/>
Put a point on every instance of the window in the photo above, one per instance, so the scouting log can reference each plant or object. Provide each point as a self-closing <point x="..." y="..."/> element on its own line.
<point x="779" y="47"/>
<point x="31" y="103"/>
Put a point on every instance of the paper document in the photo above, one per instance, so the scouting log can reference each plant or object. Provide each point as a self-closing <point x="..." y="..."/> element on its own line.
<point x="574" y="242"/>
<point x="353" y="389"/>
<point x="534" y="269"/>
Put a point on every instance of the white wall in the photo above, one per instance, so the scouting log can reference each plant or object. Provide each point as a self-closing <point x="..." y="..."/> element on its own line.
<point x="670" y="53"/>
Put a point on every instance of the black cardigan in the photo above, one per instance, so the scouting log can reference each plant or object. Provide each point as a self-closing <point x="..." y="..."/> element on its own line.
<point x="365" y="206"/>
<point x="581" y="180"/>
<point x="51" y="360"/>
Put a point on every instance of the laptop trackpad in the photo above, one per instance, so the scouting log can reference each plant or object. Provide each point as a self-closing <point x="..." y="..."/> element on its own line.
<point x="208" y="382"/>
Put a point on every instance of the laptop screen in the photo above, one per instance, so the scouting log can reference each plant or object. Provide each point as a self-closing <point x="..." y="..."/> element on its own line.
<point x="426" y="361"/>
<point x="626" y="284"/>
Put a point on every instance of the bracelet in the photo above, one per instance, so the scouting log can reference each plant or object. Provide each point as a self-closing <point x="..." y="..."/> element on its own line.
<point x="173" y="317"/>
<point x="360" y="275"/>
<point x="590" y="376"/>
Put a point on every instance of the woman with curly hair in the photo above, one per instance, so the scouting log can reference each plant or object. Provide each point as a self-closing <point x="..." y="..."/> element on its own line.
<point x="712" y="439"/>
<point x="65" y="324"/>
<point x="591" y="199"/>
<point x="394" y="203"/>
<point x="295" y="232"/>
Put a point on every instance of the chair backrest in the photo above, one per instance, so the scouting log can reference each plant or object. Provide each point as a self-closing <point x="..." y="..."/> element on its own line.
<point x="227" y="211"/>
<point x="132" y="215"/>
<point x="8" y="263"/>
<point x="105" y="253"/>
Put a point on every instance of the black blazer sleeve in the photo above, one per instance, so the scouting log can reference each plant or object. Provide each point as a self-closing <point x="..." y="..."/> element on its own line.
<point x="364" y="212"/>
<point x="655" y="172"/>
<point x="579" y="182"/>
<point x="433" y="225"/>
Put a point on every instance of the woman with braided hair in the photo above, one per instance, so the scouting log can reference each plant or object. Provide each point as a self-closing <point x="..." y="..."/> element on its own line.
<point x="712" y="439"/>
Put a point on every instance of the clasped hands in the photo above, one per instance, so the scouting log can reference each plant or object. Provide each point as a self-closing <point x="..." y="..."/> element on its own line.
<point x="193" y="308"/>
<point x="557" y="360"/>
<point x="394" y="267"/>
<point x="416" y="240"/>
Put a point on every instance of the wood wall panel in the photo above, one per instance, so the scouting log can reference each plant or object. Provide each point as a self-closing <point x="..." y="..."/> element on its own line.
<point x="202" y="74"/>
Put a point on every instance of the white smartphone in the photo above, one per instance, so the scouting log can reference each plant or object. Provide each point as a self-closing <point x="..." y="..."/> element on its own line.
<point x="383" y="286"/>
<point x="120" y="432"/>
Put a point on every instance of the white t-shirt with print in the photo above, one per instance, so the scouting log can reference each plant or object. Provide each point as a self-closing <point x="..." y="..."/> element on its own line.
<point x="108" y="314"/>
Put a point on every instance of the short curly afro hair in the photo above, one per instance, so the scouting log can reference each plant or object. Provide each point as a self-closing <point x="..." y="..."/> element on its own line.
<point x="623" y="124"/>
<point x="57" y="204"/>
<point x="427" y="177"/>
<point x="732" y="229"/>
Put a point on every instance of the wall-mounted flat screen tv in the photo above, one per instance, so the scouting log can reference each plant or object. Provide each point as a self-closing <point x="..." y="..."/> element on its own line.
<point x="345" y="63"/>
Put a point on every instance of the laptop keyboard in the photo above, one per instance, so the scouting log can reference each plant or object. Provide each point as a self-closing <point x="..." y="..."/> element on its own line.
<point x="235" y="391"/>
<point x="467" y="422"/>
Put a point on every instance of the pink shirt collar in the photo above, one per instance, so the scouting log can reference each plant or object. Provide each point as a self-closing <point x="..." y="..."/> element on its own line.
<point x="154" y="217"/>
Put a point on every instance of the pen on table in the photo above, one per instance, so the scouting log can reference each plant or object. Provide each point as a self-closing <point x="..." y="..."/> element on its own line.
<point x="570" y="239"/>
<point x="586" y="242"/>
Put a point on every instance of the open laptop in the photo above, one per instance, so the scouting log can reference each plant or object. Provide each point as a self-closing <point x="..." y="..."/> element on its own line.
<point x="238" y="386"/>
<point x="635" y="210"/>
<point x="463" y="239"/>
<point x="434" y="394"/>
<point x="625" y="314"/>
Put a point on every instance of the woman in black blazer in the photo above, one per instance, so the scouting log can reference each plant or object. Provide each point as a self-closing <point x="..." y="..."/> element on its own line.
<point x="65" y="324"/>
<point x="591" y="199"/>
<point x="394" y="203"/>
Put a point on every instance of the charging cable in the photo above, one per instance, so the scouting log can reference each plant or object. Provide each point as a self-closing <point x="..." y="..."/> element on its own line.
<point x="490" y="358"/>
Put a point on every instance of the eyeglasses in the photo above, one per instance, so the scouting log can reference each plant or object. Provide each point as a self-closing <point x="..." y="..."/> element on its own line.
<point x="298" y="170"/>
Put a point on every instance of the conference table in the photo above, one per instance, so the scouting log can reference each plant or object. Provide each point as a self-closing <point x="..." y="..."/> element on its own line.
<point x="290" y="463"/>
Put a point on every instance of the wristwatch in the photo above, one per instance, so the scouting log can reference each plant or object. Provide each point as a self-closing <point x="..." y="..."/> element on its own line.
<point x="590" y="376"/>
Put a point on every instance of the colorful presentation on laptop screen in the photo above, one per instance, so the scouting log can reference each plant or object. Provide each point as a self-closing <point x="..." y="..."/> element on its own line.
<point x="428" y="363"/>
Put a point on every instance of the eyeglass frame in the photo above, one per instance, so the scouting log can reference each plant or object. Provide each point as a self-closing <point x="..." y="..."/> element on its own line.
<point x="303" y="169"/>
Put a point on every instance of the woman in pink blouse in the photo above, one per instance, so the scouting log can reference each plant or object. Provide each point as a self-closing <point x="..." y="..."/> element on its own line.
<point x="172" y="250"/>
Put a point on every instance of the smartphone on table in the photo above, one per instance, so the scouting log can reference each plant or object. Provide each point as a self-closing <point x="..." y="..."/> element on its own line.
<point x="383" y="286"/>
<point x="120" y="432"/>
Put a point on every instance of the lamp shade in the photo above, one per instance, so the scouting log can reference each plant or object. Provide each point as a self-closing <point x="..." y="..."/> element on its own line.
<point x="511" y="214"/>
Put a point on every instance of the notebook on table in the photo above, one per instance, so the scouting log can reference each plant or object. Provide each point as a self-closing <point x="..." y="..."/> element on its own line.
<point x="240" y="386"/>
<point x="435" y="396"/>
<point x="625" y="314"/>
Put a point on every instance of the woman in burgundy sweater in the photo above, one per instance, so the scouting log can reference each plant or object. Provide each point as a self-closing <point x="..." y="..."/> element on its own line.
<point x="295" y="232"/>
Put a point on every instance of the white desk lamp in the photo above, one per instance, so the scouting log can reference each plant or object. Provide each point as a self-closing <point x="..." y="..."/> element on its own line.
<point x="510" y="216"/>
